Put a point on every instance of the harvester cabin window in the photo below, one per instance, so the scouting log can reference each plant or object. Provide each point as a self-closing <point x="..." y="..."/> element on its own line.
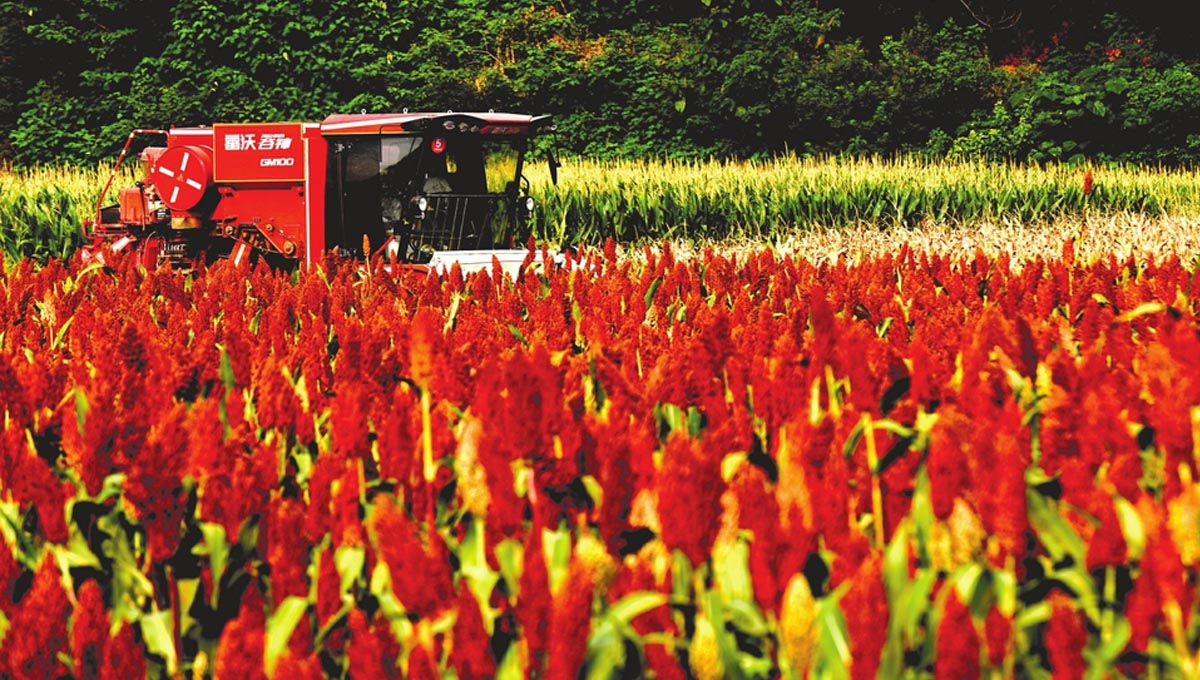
<point x="397" y="169"/>
<point x="500" y="165"/>
<point x="369" y="178"/>
<point x="373" y="180"/>
<point x="397" y="152"/>
<point x="454" y="164"/>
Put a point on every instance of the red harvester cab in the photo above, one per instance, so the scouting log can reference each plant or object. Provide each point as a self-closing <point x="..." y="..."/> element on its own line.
<point x="412" y="188"/>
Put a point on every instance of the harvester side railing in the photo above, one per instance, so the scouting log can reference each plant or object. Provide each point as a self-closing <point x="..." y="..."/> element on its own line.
<point x="113" y="175"/>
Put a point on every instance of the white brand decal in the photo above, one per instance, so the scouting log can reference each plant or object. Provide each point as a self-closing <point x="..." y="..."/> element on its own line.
<point x="276" y="162"/>
<point x="267" y="141"/>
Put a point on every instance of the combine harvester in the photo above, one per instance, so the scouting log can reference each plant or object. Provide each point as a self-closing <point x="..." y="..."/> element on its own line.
<point x="422" y="190"/>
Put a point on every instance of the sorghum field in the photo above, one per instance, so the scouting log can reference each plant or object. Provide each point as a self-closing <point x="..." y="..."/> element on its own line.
<point x="848" y="453"/>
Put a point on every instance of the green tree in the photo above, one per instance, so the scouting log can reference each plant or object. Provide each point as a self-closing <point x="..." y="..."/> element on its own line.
<point x="1120" y="99"/>
<point x="715" y="77"/>
<point x="930" y="81"/>
<point x="653" y="106"/>
<point x="74" y="64"/>
<point x="13" y="42"/>
<point x="778" y="83"/>
<point x="835" y="101"/>
<point x="539" y="60"/>
<point x="289" y="59"/>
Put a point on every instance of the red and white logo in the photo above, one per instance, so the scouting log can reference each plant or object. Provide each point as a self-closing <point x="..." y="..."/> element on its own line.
<point x="258" y="152"/>
<point x="182" y="175"/>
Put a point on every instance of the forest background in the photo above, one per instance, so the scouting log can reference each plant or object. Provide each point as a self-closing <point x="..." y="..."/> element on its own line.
<point x="1053" y="80"/>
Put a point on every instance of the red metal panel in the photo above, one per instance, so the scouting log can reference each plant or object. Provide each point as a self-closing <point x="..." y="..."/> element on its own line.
<point x="258" y="152"/>
<point x="179" y="136"/>
<point x="315" y="185"/>
<point x="380" y="123"/>
<point x="275" y="210"/>
<point x="133" y="206"/>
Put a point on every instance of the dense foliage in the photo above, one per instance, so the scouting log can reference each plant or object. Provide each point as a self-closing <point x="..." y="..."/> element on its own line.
<point x="750" y="467"/>
<point x="1031" y="81"/>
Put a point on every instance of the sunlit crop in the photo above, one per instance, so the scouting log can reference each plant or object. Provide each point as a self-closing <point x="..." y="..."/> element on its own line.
<point x="749" y="465"/>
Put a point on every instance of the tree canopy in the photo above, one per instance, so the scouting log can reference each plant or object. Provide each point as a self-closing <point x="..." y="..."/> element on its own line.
<point x="1050" y="80"/>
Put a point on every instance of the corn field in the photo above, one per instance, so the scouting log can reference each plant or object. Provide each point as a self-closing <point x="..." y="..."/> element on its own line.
<point x="781" y="198"/>
<point x="42" y="209"/>
<point x="774" y="200"/>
